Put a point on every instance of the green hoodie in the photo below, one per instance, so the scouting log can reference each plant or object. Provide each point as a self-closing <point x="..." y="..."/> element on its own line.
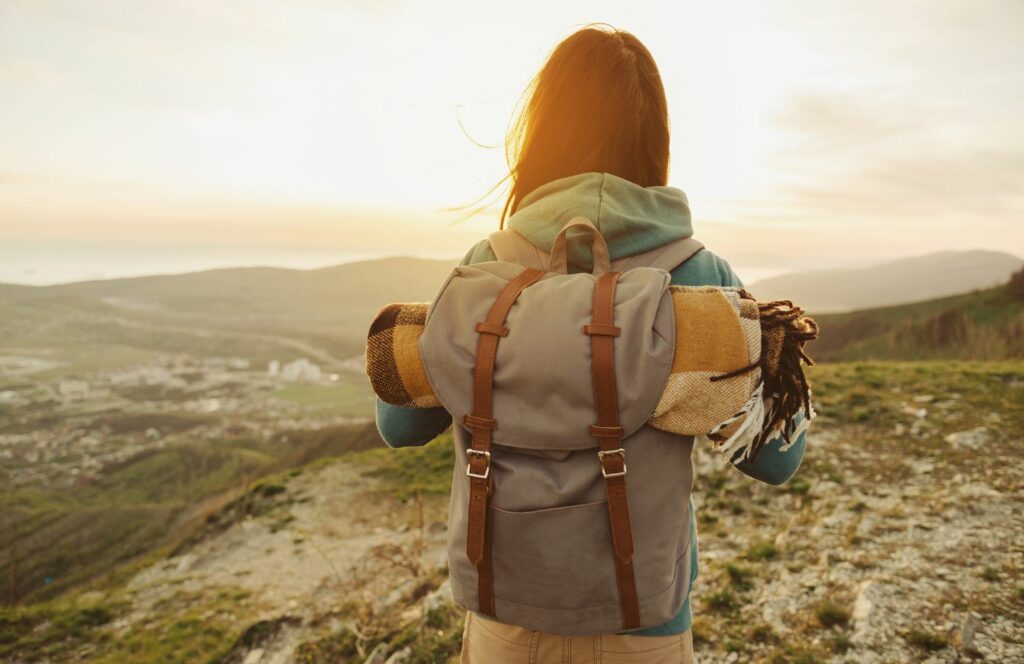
<point x="633" y="220"/>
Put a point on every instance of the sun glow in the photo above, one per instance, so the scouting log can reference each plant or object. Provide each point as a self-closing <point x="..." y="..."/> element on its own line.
<point x="180" y="114"/>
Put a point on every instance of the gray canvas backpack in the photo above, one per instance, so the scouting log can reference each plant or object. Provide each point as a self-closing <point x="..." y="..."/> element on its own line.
<point x="550" y="379"/>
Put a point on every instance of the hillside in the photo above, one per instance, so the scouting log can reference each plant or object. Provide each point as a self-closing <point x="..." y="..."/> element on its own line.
<point x="62" y="537"/>
<point x="896" y="542"/>
<point x="982" y="325"/>
<point x="257" y="313"/>
<point x="894" y="282"/>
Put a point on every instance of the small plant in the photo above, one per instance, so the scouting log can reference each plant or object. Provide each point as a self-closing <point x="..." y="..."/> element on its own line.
<point x="798" y="485"/>
<point x="739" y="577"/>
<point x="268" y="489"/>
<point x="926" y="640"/>
<point x="762" y="551"/>
<point x="723" y="602"/>
<point x="762" y="634"/>
<point x="841" y="643"/>
<point x="831" y="615"/>
<point x="990" y="574"/>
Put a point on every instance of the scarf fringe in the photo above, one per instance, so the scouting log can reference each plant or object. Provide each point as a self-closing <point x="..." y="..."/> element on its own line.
<point x="782" y="394"/>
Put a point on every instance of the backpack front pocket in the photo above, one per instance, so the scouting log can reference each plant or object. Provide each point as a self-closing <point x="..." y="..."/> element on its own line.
<point x="554" y="558"/>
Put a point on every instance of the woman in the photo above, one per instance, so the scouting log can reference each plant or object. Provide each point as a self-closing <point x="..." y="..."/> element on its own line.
<point x="593" y="139"/>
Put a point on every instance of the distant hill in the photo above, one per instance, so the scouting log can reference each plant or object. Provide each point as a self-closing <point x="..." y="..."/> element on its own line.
<point x="258" y="312"/>
<point x="896" y="282"/>
<point x="982" y="325"/>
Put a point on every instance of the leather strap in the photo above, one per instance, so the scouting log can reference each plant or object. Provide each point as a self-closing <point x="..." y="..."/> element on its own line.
<point x="608" y="432"/>
<point x="481" y="422"/>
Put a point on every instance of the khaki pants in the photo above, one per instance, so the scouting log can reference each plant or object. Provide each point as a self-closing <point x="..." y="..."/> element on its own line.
<point x="485" y="641"/>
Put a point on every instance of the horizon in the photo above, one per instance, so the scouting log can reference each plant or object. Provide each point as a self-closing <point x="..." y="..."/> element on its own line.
<point x="757" y="274"/>
<point x="301" y="135"/>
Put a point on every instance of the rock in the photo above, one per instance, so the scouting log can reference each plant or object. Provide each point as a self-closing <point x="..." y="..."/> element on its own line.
<point x="978" y="490"/>
<point x="968" y="630"/>
<point x="185" y="562"/>
<point x="378" y="655"/>
<point x="254" y="656"/>
<point x="824" y="488"/>
<point x="863" y="606"/>
<point x="438" y="598"/>
<point x="970" y="439"/>
<point x="401" y="657"/>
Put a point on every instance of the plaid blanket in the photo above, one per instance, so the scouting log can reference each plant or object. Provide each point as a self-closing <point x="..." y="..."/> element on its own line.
<point x="737" y="373"/>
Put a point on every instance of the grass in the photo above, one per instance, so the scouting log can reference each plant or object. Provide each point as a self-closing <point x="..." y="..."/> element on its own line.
<point x="761" y="551"/>
<point x="723" y="601"/>
<point x="990" y="574"/>
<point x="50" y="630"/>
<point x="983" y="325"/>
<point x="350" y="396"/>
<point x="832" y="615"/>
<point x="739" y="577"/>
<point x="64" y="538"/>
<point x="406" y="472"/>
<point x="925" y="640"/>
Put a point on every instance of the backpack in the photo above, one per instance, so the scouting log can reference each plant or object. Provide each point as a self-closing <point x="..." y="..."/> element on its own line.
<point x="550" y="379"/>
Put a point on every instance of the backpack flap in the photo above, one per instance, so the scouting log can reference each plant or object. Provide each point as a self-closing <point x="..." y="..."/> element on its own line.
<point x="543" y="392"/>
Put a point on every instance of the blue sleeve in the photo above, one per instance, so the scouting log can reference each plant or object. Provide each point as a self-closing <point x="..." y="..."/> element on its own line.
<point x="773" y="466"/>
<point x="402" y="426"/>
<point x="770" y="465"/>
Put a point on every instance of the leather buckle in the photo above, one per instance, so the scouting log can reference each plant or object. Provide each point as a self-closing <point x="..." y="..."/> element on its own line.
<point x="487" y="464"/>
<point x="602" y="454"/>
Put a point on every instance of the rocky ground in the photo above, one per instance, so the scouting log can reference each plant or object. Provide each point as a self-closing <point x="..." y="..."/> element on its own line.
<point x="900" y="540"/>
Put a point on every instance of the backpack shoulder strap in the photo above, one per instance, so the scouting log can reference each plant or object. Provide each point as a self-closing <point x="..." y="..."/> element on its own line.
<point x="512" y="247"/>
<point x="666" y="257"/>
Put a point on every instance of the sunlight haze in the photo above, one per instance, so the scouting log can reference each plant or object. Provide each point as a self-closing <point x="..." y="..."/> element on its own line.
<point x="177" y="135"/>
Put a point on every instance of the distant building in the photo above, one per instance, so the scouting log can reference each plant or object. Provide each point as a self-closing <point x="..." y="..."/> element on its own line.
<point x="301" y="370"/>
<point x="274" y="368"/>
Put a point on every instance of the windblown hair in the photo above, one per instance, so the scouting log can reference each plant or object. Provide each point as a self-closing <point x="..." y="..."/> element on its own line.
<point x="597" y="105"/>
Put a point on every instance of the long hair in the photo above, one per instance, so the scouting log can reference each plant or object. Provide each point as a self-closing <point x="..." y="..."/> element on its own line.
<point x="597" y="105"/>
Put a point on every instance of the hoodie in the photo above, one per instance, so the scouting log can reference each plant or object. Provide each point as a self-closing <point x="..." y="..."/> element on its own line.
<point x="632" y="219"/>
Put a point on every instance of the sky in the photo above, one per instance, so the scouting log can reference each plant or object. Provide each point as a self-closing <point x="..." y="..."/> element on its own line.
<point x="166" y="136"/>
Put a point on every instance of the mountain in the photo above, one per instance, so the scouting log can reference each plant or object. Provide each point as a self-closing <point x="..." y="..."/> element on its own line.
<point x="261" y="313"/>
<point x="896" y="282"/>
<point x="981" y="325"/>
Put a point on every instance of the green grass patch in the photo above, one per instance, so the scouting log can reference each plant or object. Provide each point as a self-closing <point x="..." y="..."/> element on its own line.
<point x="49" y="631"/>
<point x="408" y="471"/>
<point x="740" y="577"/>
<point x="926" y="640"/>
<point x="761" y="551"/>
<point x="723" y="601"/>
<point x="830" y="614"/>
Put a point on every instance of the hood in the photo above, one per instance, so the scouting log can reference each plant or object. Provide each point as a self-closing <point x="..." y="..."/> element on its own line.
<point x="632" y="219"/>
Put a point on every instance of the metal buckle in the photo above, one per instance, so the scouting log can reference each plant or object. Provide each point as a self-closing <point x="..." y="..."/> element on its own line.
<point x="601" y="454"/>
<point x="487" y="468"/>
